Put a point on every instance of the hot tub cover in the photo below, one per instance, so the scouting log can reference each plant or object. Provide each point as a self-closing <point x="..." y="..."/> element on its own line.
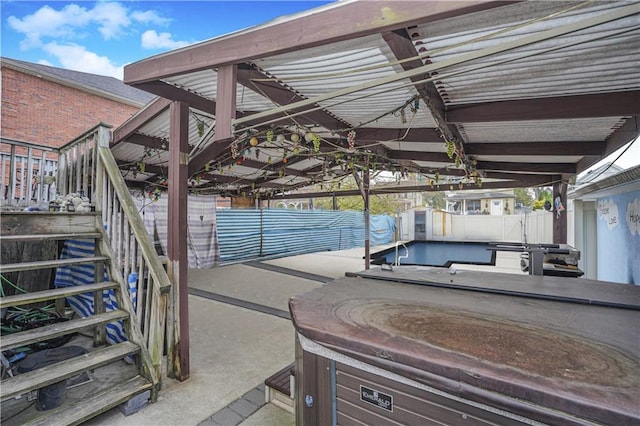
<point x="548" y="360"/>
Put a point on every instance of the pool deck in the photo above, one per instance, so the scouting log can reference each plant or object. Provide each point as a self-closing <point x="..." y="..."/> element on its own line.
<point x="240" y="334"/>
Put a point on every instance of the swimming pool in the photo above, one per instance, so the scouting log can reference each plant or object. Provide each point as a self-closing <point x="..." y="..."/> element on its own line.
<point x="437" y="253"/>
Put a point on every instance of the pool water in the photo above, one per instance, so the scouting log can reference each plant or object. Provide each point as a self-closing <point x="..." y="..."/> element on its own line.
<point x="438" y="253"/>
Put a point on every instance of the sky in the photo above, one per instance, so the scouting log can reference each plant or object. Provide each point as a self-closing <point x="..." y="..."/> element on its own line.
<point x="102" y="37"/>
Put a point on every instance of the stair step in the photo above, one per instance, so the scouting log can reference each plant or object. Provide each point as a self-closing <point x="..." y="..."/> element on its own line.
<point x="42" y="237"/>
<point x="57" y="372"/>
<point x="74" y="414"/>
<point x="45" y="264"/>
<point x="281" y="380"/>
<point x="58" y="293"/>
<point x="24" y="223"/>
<point x="46" y="332"/>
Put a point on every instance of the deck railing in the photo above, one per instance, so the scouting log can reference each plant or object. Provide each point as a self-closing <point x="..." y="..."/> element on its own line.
<point x="132" y="246"/>
<point x="27" y="173"/>
<point x="87" y="167"/>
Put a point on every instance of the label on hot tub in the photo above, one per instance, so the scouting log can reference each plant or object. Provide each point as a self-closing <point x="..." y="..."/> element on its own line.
<point x="379" y="399"/>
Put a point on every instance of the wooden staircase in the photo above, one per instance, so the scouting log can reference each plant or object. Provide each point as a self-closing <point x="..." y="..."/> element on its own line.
<point x="113" y="381"/>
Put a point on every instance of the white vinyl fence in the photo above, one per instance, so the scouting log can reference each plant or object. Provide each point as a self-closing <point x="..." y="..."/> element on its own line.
<point x="538" y="227"/>
<point x="534" y="227"/>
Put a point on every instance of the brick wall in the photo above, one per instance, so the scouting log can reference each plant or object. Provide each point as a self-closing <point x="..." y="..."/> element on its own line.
<point x="46" y="113"/>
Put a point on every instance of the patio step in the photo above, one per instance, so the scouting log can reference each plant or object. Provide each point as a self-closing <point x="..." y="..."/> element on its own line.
<point x="54" y="373"/>
<point x="279" y="388"/>
<point x="59" y="329"/>
<point x="46" y="264"/>
<point x="54" y="237"/>
<point x="58" y="293"/>
<point x="73" y="414"/>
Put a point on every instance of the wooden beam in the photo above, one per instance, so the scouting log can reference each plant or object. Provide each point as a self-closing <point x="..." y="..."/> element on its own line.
<point x="267" y="181"/>
<point x="148" y="168"/>
<point x="536" y="148"/>
<point x="226" y="179"/>
<point x="369" y="134"/>
<point x="402" y="47"/>
<point x="273" y="167"/>
<point x="626" y="133"/>
<point x="439" y="157"/>
<point x="519" y="176"/>
<point x="337" y="22"/>
<point x="281" y="95"/>
<point x="210" y="153"/>
<point x="148" y="141"/>
<point x="177" y="267"/>
<point x="527" y="182"/>
<point x="615" y="104"/>
<point x="132" y="125"/>
<point x="586" y="162"/>
<point x="174" y="93"/>
<point x="553" y="168"/>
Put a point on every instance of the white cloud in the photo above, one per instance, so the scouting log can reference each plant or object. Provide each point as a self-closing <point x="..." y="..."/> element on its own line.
<point x="149" y="17"/>
<point x="152" y="40"/>
<point x="111" y="18"/>
<point x="45" y="62"/>
<point x="47" y="22"/>
<point x="78" y="58"/>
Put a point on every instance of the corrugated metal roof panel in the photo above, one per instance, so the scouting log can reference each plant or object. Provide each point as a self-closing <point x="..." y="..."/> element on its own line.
<point x="159" y="126"/>
<point x="435" y="164"/>
<point x="306" y="164"/>
<point x="134" y="153"/>
<point x="344" y="64"/>
<point x="243" y="172"/>
<point x="603" y="65"/>
<point x="290" y="180"/>
<point x="584" y="129"/>
<point x="205" y="83"/>
<point x="416" y="146"/>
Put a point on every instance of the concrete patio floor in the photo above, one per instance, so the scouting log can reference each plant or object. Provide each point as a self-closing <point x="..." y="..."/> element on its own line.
<point x="234" y="349"/>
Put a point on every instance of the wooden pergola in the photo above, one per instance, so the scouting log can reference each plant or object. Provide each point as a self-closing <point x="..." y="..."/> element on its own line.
<point x="497" y="94"/>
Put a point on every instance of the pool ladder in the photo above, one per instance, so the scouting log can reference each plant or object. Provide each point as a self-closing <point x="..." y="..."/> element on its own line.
<point x="398" y="258"/>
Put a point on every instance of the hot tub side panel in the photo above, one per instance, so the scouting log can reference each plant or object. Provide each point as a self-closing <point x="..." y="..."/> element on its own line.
<point x="314" y="388"/>
<point x="365" y="398"/>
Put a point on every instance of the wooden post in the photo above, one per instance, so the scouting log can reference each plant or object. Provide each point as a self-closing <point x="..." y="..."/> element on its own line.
<point x="177" y="268"/>
<point x="226" y="101"/>
<point x="12" y="176"/>
<point x="102" y="141"/>
<point x="560" y="217"/>
<point x="363" y="185"/>
<point x="367" y="237"/>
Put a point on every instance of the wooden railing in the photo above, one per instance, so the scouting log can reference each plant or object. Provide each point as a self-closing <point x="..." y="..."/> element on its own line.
<point x="27" y="173"/>
<point x="77" y="163"/>
<point x="87" y="166"/>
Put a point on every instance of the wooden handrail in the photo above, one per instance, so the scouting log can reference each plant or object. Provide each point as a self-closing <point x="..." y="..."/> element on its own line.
<point x="85" y="135"/>
<point x="137" y="226"/>
<point x="87" y="164"/>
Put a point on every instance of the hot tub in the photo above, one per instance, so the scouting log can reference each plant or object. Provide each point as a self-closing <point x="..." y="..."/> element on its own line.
<point x="543" y="350"/>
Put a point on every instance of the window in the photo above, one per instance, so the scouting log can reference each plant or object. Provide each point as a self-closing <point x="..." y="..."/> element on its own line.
<point x="473" y="206"/>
